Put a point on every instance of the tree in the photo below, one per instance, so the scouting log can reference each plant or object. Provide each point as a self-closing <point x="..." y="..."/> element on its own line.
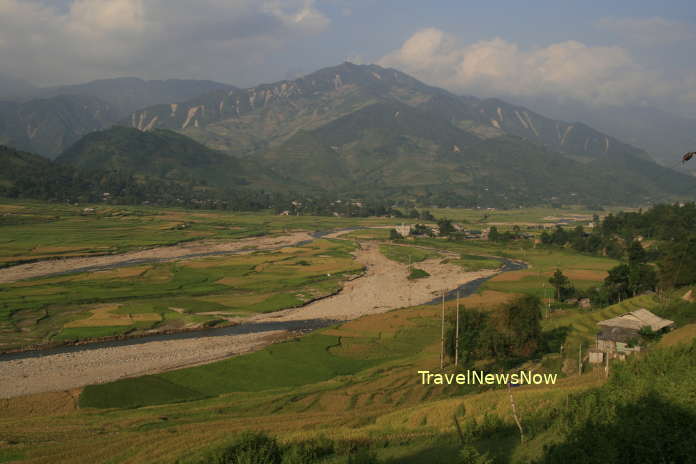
<point x="445" y="226"/>
<point x="617" y="283"/>
<point x="641" y="278"/>
<point x="426" y="216"/>
<point x="559" y="236"/>
<point x="562" y="285"/>
<point x="493" y="234"/>
<point x="636" y="254"/>
<point x="523" y="317"/>
<point x="677" y="266"/>
<point x="394" y="235"/>
<point x="545" y="238"/>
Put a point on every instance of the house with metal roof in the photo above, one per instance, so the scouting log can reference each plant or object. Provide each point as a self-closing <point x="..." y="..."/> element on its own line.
<point x="621" y="335"/>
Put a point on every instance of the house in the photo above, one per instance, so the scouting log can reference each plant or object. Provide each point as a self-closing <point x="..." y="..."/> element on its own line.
<point x="621" y="335"/>
<point x="403" y="230"/>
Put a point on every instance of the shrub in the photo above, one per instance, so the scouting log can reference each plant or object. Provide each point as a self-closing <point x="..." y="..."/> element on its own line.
<point x="418" y="274"/>
<point x="363" y="456"/>
<point x="308" y="451"/>
<point x="249" y="448"/>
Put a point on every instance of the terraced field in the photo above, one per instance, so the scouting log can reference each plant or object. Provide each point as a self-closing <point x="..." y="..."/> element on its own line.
<point x="356" y="382"/>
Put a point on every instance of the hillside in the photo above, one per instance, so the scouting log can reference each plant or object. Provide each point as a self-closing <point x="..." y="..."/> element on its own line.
<point x="398" y="151"/>
<point x="370" y="130"/>
<point x="15" y="164"/>
<point x="160" y="153"/>
<point x="48" y="120"/>
<point x="48" y="125"/>
<point x="277" y="110"/>
<point x="353" y="130"/>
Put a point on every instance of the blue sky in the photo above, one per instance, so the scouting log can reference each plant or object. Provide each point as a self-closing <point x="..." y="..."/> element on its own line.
<point x="598" y="52"/>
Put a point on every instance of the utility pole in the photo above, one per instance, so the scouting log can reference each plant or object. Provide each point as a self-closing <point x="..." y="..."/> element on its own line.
<point x="606" y="367"/>
<point x="442" y="336"/>
<point x="514" y="413"/>
<point x="580" y="359"/>
<point x="456" y="340"/>
<point x="409" y="280"/>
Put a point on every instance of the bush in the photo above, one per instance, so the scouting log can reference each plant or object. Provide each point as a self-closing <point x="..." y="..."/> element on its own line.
<point x="249" y="448"/>
<point x="363" y="456"/>
<point x="308" y="451"/>
<point x="469" y="455"/>
<point x="418" y="274"/>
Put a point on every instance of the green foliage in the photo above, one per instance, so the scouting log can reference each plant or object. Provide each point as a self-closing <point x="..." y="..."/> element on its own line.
<point x="470" y="455"/>
<point x="625" y="281"/>
<point x="563" y="288"/>
<point x="308" y="451"/>
<point x="676" y="265"/>
<point x="290" y="364"/>
<point x="417" y="274"/>
<point x="445" y="226"/>
<point x="363" y="456"/>
<point x="248" y="448"/>
<point x="644" y="414"/>
<point x="511" y="331"/>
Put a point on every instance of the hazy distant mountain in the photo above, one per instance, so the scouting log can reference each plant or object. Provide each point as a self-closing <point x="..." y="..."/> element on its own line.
<point x="11" y="88"/>
<point x="127" y="94"/>
<point x="665" y="136"/>
<point x="48" y="125"/>
<point x="48" y="120"/>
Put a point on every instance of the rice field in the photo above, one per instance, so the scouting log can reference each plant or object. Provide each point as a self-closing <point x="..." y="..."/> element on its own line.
<point x="168" y="296"/>
<point x="357" y="381"/>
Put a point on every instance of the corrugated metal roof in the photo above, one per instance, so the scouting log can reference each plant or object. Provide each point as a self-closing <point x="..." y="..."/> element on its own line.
<point x="636" y="320"/>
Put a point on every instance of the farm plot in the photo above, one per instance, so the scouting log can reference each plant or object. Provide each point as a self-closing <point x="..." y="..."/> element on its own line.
<point x="166" y="296"/>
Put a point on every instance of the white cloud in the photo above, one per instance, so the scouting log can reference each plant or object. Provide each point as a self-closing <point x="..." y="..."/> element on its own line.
<point x="653" y="31"/>
<point x="98" y="38"/>
<point x="496" y="67"/>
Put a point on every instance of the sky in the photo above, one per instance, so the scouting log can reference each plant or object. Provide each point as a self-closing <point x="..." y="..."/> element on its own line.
<point x="600" y="53"/>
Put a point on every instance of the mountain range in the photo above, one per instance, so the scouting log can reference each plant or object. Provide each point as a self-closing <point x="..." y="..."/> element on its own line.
<point x="48" y="120"/>
<point x="364" y="130"/>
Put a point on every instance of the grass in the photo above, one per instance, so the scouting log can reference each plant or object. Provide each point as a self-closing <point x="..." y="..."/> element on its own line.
<point x="407" y="254"/>
<point x="364" y="388"/>
<point x="170" y="295"/>
<point x="357" y="381"/>
<point x="33" y="230"/>
<point x="418" y="274"/>
<point x="476" y="263"/>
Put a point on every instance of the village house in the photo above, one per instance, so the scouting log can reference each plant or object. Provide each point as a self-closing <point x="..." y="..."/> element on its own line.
<point x="621" y="335"/>
<point x="404" y="230"/>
